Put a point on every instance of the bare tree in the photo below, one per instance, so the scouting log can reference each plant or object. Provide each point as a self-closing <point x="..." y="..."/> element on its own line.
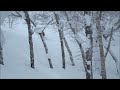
<point x="1" y="49"/>
<point x="61" y="38"/>
<point x="28" y="21"/>
<point x="1" y="54"/>
<point x="111" y="52"/>
<point x="89" y="51"/>
<point x="42" y="34"/>
<point x="85" y="62"/>
<point x="69" y="51"/>
<point x="109" y="43"/>
<point x="99" y="33"/>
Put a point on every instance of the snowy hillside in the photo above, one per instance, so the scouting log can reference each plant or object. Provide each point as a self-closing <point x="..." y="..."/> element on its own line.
<point x="16" y="54"/>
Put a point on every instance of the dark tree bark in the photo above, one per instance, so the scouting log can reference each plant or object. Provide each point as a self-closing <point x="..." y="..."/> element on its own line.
<point x="113" y="56"/>
<point x="1" y="48"/>
<point x="69" y="51"/>
<point x="61" y="40"/>
<point x="46" y="48"/>
<point x="30" y="39"/>
<point x="98" y="28"/>
<point x="109" y="43"/>
<point x="89" y="52"/>
<point x="1" y="54"/>
<point x="88" y="75"/>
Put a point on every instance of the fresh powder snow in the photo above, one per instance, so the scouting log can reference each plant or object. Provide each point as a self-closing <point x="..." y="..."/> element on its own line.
<point x="17" y="59"/>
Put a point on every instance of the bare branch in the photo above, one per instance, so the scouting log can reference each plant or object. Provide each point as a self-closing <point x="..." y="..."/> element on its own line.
<point x="44" y="27"/>
<point x="15" y="15"/>
<point x="108" y="47"/>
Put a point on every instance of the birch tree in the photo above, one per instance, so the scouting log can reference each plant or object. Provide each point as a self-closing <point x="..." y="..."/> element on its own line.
<point x="41" y="32"/>
<point x="89" y="51"/>
<point x="61" y="39"/>
<point x="85" y="63"/>
<point x="1" y="49"/>
<point x="99" y="33"/>
<point x="69" y="50"/>
<point x="46" y="48"/>
<point x="28" y="21"/>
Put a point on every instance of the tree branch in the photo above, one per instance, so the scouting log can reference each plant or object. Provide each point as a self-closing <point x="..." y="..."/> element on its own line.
<point x="108" y="47"/>
<point x="44" y="27"/>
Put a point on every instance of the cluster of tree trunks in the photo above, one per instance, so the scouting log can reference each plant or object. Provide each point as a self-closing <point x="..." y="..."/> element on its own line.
<point x="63" y="41"/>
<point x="86" y="54"/>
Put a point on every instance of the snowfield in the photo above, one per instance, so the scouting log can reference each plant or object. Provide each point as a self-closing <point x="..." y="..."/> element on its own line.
<point x="17" y="59"/>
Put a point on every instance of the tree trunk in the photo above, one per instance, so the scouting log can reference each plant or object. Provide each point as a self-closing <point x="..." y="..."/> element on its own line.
<point x="1" y="49"/>
<point x="109" y="43"/>
<point x="69" y="51"/>
<point x="107" y="47"/>
<point x="115" y="59"/>
<point x="46" y="49"/>
<point x="111" y="53"/>
<point x="88" y="75"/>
<point x="99" y="33"/>
<point x="62" y="48"/>
<point x="1" y="54"/>
<point x="61" y="40"/>
<point x="84" y="60"/>
<point x="89" y="52"/>
<point x="30" y="39"/>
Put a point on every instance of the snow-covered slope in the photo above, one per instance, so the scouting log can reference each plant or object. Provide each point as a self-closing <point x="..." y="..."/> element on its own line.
<point x="17" y="60"/>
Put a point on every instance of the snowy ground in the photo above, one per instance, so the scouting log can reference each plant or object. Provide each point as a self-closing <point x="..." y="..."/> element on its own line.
<point x="17" y="61"/>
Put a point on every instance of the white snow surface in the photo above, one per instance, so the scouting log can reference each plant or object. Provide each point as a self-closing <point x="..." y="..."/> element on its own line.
<point x="17" y="59"/>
